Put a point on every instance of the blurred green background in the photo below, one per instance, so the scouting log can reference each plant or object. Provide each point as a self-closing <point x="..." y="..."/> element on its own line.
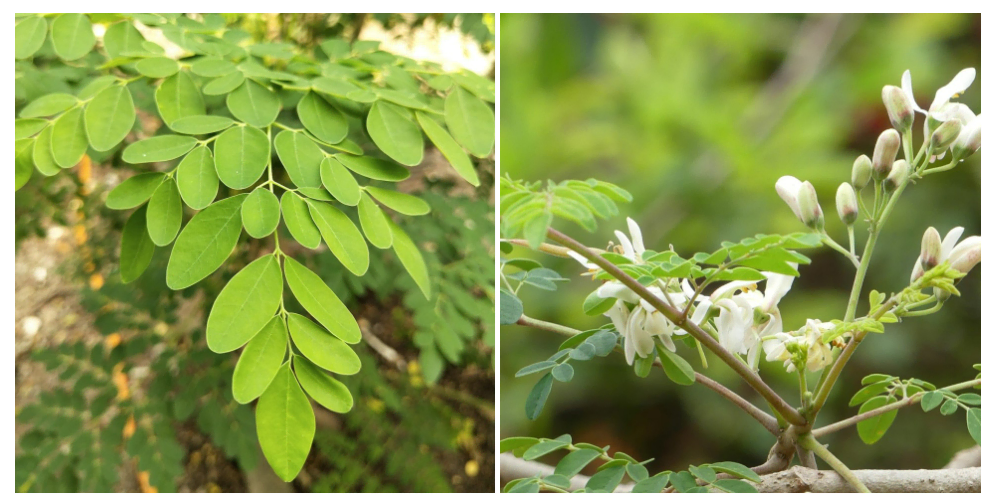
<point x="697" y="116"/>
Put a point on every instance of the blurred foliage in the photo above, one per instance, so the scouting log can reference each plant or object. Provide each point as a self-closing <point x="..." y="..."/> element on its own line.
<point x="122" y="400"/>
<point x="308" y="29"/>
<point x="697" y="116"/>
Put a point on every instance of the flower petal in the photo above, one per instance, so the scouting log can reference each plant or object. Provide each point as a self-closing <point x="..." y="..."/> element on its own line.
<point x="637" y="236"/>
<point x="906" y="86"/>
<point x="627" y="247"/>
<point x="956" y="86"/>
<point x="951" y="238"/>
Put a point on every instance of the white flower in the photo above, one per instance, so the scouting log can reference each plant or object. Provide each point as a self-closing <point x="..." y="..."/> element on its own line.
<point x="962" y="256"/>
<point x="807" y="340"/>
<point x="954" y="88"/>
<point x="969" y="139"/>
<point x="747" y="315"/>
<point x="941" y="108"/>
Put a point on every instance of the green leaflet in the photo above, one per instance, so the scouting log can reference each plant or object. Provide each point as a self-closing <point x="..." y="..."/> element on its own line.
<point x="42" y="154"/>
<point x="224" y="85"/>
<point x="165" y="213"/>
<point x="321" y="302"/>
<point x="339" y="181"/>
<point x="260" y="213"/>
<point x="29" y="36"/>
<point x="301" y="158"/>
<point x="401" y="98"/>
<point x="395" y="134"/>
<point x="872" y="429"/>
<point x="26" y="128"/>
<point x="471" y="121"/>
<point x="201" y="124"/>
<point x="326" y="390"/>
<point x="136" y="247"/>
<point x="213" y="67"/>
<point x="374" y="223"/>
<point x="241" y="156"/>
<point x="178" y="97"/>
<point x="205" y="243"/>
<point x="48" y="105"/>
<point x="134" y="191"/>
<point x="69" y="138"/>
<point x="109" y="117"/>
<point x="478" y="85"/>
<point x="341" y="235"/>
<point x="286" y="424"/>
<point x="244" y="305"/>
<point x="23" y="165"/>
<point x="399" y="201"/>
<point x="96" y="85"/>
<point x="122" y="38"/>
<point x="411" y="258"/>
<point x="374" y="168"/>
<point x="322" y="119"/>
<point x="158" y="148"/>
<point x="321" y="348"/>
<point x="334" y="87"/>
<point x="197" y="178"/>
<point x="297" y="219"/>
<point x="254" y="104"/>
<point x="260" y="361"/>
<point x="72" y="36"/>
<point x="448" y="147"/>
<point x="157" y="68"/>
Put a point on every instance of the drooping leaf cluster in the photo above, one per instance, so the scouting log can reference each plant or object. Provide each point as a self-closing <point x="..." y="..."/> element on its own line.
<point x="233" y="109"/>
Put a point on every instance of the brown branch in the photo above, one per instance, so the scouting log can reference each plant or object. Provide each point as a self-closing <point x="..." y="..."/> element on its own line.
<point x="678" y="318"/>
<point x="799" y="479"/>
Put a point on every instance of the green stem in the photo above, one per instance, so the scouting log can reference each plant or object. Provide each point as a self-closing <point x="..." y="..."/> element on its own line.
<point x="809" y="442"/>
<point x="673" y="314"/>
<point x="835" y="246"/>
<point x="923" y="312"/>
<point x="526" y="321"/>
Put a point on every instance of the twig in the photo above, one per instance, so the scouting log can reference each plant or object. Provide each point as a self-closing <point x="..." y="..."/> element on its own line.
<point x="384" y="350"/>
<point x="671" y="313"/>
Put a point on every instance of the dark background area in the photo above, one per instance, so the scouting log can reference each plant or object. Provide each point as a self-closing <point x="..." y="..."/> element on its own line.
<point x="697" y="116"/>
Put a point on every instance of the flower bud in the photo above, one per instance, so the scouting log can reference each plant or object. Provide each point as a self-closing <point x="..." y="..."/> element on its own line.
<point x="811" y="211"/>
<point x="898" y="175"/>
<point x="945" y="135"/>
<point x="885" y="152"/>
<point x="931" y="249"/>
<point x="968" y="141"/>
<point x="862" y="168"/>
<point x="845" y="204"/>
<point x="898" y="108"/>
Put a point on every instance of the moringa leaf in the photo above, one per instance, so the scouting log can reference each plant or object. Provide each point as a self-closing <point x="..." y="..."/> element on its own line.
<point x="197" y="178"/>
<point x="260" y="213"/>
<point x="321" y="348"/>
<point x="326" y="390"/>
<point x="245" y="305"/>
<point x="205" y="243"/>
<point x="260" y="361"/>
<point x="321" y="302"/>
<point x="242" y="153"/>
<point x="341" y="236"/>
<point x="165" y="213"/>
<point x="286" y="424"/>
<point x="109" y="117"/>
